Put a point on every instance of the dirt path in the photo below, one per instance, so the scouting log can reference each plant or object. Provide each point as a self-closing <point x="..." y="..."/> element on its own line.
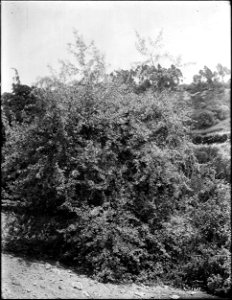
<point x="27" y="279"/>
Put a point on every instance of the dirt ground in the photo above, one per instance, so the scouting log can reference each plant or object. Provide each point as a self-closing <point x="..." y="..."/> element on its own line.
<point x="23" y="278"/>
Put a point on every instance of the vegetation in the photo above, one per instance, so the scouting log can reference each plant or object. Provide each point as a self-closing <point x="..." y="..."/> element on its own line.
<point x="100" y="170"/>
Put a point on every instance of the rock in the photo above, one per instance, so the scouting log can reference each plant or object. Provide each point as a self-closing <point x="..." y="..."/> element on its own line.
<point x="165" y="287"/>
<point x="60" y="287"/>
<point x="174" y="297"/>
<point x="77" y="286"/>
<point x="86" y="294"/>
<point x="192" y="293"/>
<point x="139" y="294"/>
<point x="47" y="266"/>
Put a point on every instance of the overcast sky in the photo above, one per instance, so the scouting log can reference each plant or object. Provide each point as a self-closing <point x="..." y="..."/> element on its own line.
<point x="36" y="33"/>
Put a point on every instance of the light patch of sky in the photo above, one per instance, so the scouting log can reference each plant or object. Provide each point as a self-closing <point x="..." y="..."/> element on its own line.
<point x="36" y="33"/>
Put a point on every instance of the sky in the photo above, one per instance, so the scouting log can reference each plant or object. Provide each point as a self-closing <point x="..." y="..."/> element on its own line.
<point x="35" y="34"/>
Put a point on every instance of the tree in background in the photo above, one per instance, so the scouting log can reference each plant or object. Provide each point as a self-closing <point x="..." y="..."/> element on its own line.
<point x="221" y="73"/>
<point x="207" y="79"/>
<point x="22" y="104"/>
<point x="149" y="72"/>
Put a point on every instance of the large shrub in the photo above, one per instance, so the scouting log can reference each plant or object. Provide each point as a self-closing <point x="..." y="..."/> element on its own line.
<point x="212" y="259"/>
<point x="127" y="157"/>
<point x="203" y="119"/>
<point x="217" y="157"/>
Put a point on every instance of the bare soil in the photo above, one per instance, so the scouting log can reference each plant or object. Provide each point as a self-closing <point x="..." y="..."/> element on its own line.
<point x="23" y="278"/>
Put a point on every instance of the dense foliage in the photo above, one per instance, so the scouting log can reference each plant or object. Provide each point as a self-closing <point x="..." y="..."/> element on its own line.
<point x="103" y="176"/>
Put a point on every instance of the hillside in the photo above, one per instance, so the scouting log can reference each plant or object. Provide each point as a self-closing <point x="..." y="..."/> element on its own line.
<point x="23" y="278"/>
<point x="211" y="112"/>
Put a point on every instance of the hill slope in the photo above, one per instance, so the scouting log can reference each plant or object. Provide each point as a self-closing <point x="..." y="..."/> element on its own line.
<point x="27" y="279"/>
